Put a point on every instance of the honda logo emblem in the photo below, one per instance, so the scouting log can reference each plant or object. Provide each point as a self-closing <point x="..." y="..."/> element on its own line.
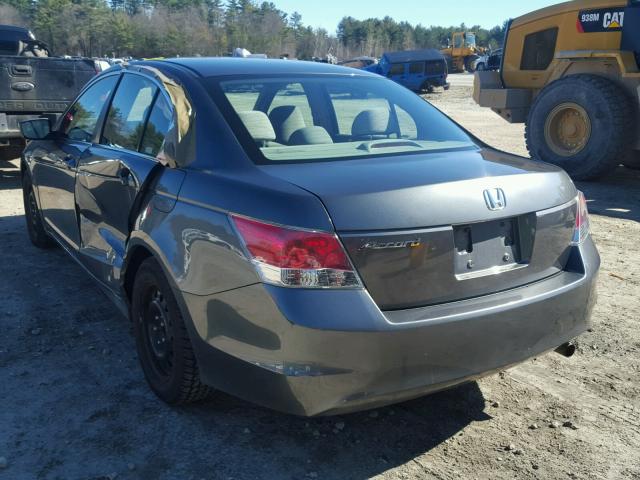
<point x="495" y="199"/>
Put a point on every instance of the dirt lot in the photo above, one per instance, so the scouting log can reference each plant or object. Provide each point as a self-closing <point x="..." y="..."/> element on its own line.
<point x="74" y="404"/>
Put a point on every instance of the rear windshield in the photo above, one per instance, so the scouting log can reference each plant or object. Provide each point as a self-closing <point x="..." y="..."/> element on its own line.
<point x="316" y="118"/>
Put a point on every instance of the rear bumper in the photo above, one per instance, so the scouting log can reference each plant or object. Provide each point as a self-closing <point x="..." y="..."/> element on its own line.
<point x="325" y="352"/>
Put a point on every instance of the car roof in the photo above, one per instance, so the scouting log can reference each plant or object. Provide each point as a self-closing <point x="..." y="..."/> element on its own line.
<point x="224" y="66"/>
<point x="413" y="56"/>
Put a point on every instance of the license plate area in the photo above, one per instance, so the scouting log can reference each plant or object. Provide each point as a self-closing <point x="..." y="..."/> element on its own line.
<point x="494" y="247"/>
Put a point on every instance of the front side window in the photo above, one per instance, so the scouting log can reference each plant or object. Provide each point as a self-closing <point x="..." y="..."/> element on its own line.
<point x="79" y="123"/>
<point x="350" y="117"/>
<point x="128" y="112"/>
<point x="539" y="49"/>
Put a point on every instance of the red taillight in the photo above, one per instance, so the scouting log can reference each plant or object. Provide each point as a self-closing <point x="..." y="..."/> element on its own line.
<point x="581" y="230"/>
<point x="296" y="258"/>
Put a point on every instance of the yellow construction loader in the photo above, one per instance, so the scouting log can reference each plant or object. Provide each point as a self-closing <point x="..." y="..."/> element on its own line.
<point x="462" y="52"/>
<point x="571" y="73"/>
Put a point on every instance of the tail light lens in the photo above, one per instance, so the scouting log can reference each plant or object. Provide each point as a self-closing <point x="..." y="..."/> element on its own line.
<point x="296" y="258"/>
<point x="581" y="230"/>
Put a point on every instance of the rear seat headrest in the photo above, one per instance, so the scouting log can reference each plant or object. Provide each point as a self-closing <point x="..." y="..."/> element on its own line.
<point x="371" y="122"/>
<point x="310" y="136"/>
<point x="259" y="126"/>
<point x="286" y="119"/>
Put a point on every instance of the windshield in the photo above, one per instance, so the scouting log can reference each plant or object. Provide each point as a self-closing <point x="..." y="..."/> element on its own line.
<point x="327" y="117"/>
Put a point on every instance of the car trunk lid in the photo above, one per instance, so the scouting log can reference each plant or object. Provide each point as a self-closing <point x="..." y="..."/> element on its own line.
<point x="428" y="229"/>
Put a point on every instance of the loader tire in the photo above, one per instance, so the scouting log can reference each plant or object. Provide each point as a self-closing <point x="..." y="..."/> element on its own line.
<point x="581" y="124"/>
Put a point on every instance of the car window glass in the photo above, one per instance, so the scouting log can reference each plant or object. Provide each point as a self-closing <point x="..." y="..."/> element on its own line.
<point x="416" y="67"/>
<point x="244" y="96"/>
<point x="348" y="103"/>
<point x="293" y="95"/>
<point x="80" y="121"/>
<point x="365" y="116"/>
<point x="157" y="127"/>
<point x="127" y="113"/>
<point x="407" y="124"/>
<point x="397" y="69"/>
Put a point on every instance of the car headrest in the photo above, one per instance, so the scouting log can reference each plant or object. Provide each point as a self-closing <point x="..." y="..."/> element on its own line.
<point x="310" y="136"/>
<point x="286" y="119"/>
<point x="370" y="122"/>
<point x="259" y="126"/>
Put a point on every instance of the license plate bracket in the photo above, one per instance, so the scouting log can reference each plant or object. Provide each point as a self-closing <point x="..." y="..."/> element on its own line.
<point x="489" y="248"/>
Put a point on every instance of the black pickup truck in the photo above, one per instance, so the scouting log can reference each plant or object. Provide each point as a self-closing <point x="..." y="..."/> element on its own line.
<point x="33" y="84"/>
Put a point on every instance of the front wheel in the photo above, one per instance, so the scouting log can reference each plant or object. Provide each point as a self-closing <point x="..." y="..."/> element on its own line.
<point x="35" y="225"/>
<point x="581" y="124"/>
<point x="163" y="344"/>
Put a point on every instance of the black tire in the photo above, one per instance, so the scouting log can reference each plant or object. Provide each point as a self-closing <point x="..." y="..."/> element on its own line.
<point x="162" y="340"/>
<point x="632" y="160"/>
<point x="468" y="63"/>
<point x="426" y="87"/>
<point x="609" y="112"/>
<point x="35" y="226"/>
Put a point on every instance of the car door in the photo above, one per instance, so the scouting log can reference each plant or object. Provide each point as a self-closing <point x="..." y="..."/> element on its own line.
<point x="397" y="73"/>
<point x="55" y="164"/>
<point x="116" y="169"/>
<point x="416" y="76"/>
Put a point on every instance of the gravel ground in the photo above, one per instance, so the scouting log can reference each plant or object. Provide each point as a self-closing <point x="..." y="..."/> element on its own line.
<point x="74" y="404"/>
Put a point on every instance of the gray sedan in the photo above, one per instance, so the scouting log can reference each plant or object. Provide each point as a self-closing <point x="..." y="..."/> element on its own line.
<point x="309" y="237"/>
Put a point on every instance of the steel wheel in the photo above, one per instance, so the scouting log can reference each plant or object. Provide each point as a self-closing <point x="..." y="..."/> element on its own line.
<point x="158" y="332"/>
<point x="567" y="129"/>
<point x="164" y="348"/>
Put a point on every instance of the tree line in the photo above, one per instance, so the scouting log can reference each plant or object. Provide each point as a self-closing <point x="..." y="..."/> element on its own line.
<point x="168" y="28"/>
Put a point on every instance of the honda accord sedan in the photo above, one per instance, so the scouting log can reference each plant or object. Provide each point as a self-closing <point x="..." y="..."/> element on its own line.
<point x="308" y="237"/>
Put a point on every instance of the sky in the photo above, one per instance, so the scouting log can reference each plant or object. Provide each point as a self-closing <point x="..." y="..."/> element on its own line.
<point x="327" y="13"/>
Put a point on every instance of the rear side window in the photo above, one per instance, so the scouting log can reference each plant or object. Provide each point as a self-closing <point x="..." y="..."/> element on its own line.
<point x="80" y="121"/>
<point x="157" y="127"/>
<point x="397" y="69"/>
<point x="416" y="67"/>
<point x="128" y="112"/>
<point x="539" y="49"/>
<point x="436" y="67"/>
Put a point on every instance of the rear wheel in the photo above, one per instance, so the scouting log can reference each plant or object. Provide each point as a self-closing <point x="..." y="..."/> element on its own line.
<point x="162" y="341"/>
<point x="35" y="226"/>
<point x="580" y="123"/>
<point x="426" y="87"/>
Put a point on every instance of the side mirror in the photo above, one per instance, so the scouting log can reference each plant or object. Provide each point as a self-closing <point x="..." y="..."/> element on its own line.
<point x="36" y="129"/>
